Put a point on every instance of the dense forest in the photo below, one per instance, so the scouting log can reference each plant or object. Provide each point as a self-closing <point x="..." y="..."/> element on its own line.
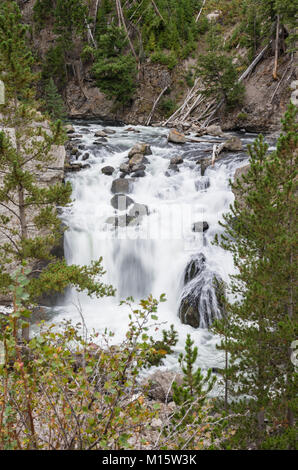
<point x="67" y="388"/>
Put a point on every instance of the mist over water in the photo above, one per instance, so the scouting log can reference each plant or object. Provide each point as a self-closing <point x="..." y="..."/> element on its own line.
<point x="150" y="258"/>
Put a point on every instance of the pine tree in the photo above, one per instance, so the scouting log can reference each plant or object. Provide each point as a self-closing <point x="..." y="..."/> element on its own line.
<point x="219" y="74"/>
<point x="262" y="323"/>
<point x="54" y="102"/>
<point x="28" y="220"/>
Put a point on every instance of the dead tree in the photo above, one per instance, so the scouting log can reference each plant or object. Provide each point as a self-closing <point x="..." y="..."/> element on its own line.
<point x="155" y="104"/>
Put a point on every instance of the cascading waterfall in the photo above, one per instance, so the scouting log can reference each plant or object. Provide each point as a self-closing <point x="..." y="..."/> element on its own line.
<point x="155" y="255"/>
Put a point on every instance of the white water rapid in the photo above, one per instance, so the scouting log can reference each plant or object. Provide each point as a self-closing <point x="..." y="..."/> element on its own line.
<point x="152" y="257"/>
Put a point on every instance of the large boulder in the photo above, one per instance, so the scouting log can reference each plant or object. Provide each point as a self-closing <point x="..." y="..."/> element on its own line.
<point x="233" y="144"/>
<point x="69" y="129"/>
<point x="214" y="130"/>
<point x="176" y="137"/>
<point x="137" y="159"/>
<point x="141" y="148"/>
<point x="108" y="170"/>
<point x="121" y="185"/>
<point x="121" y="201"/>
<point x="200" y="302"/>
<point x="100" y="134"/>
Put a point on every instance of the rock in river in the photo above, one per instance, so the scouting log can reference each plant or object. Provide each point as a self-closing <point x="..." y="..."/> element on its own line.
<point x="122" y="185"/>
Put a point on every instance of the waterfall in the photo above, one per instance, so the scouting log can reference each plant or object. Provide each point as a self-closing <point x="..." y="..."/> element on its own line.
<point x="157" y="254"/>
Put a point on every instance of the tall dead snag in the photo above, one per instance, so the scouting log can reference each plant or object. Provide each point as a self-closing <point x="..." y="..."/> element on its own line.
<point x="276" y="48"/>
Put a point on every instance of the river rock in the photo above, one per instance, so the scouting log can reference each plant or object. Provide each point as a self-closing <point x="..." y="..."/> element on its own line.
<point x="140" y="148"/>
<point x="138" y="210"/>
<point x="85" y="156"/>
<point x="232" y="145"/>
<point x="138" y="167"/>
<point x="214" y="130"/>
<point x="121" y="202"/>
<point x="200" y="300"/>
<point x="125" y="168"/>
<point x="200" y="226"/>
<point x="139" y="174"/>
<point x="158" y="386"/>
<point x="176" y="137"/>
<point x="121" y="185"/>
<point x="109" y="131"/>
<point x="137" y="159"/>
<point x="100" y="134"/>
<point x="176" y="160"/>
<point x="108" y="170"/>
<point x="69" y="129"/>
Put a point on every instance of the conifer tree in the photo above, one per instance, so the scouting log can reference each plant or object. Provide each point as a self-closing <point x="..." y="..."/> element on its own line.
<point x="28" y="220"/>
<point x="54" y="102"/>
<point x="261" y="235"/>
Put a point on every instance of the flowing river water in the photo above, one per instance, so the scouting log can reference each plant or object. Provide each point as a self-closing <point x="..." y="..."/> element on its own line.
<point x="150" y="257"/>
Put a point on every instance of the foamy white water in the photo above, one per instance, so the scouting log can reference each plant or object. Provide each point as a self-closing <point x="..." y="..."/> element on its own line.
<point x="151" y="258"/>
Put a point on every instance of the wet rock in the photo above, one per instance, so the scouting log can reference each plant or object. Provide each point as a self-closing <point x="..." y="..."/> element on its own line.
<point x="75" y="136"/>
<point x="233" y="145"/>
<point x="100" y="134"/>
<point x="124" y="167"/>
<point x="176" y="137"/>
<point x="69" y="129"/>
<point x="101" y="140"/>
<point x="138" y="174"/>
<point x="74" y="151"/>
<point x="121" y="201"/>
<point x="108" y="170"/>
<point x="82" y="147"/>
<point x="121" y="185"/>
<point x="194" y="268"/>
<point x="158" y="386"/>
<point x="137" y="159"/>
<point x="214" y="130"/>
<point x="176" y="160"/>
<point x="77" y="166"/>
<point x="200" y="300"/>
<point x="200" y="226"/>
<point x="85" y="156"/>
<point x="138" y="210"/>
<point x="138" y="167"/>
<point x="140" y="148"/>
<point x="109" y="131"/>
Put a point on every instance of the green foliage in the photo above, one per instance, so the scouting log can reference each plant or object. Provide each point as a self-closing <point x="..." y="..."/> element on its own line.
<point x="162" y="347"/>
<point x="29" y="221"/>
<point x="195" y="387"/>
<point x="170" y="60"/>
<point x="54" y="65"/>
<point x="76" y="392"/>
<point x="167" y="106"/>
<point x="262" y="323"/>
<point x="114" y="69"/>
<point x="53" y="101"/>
